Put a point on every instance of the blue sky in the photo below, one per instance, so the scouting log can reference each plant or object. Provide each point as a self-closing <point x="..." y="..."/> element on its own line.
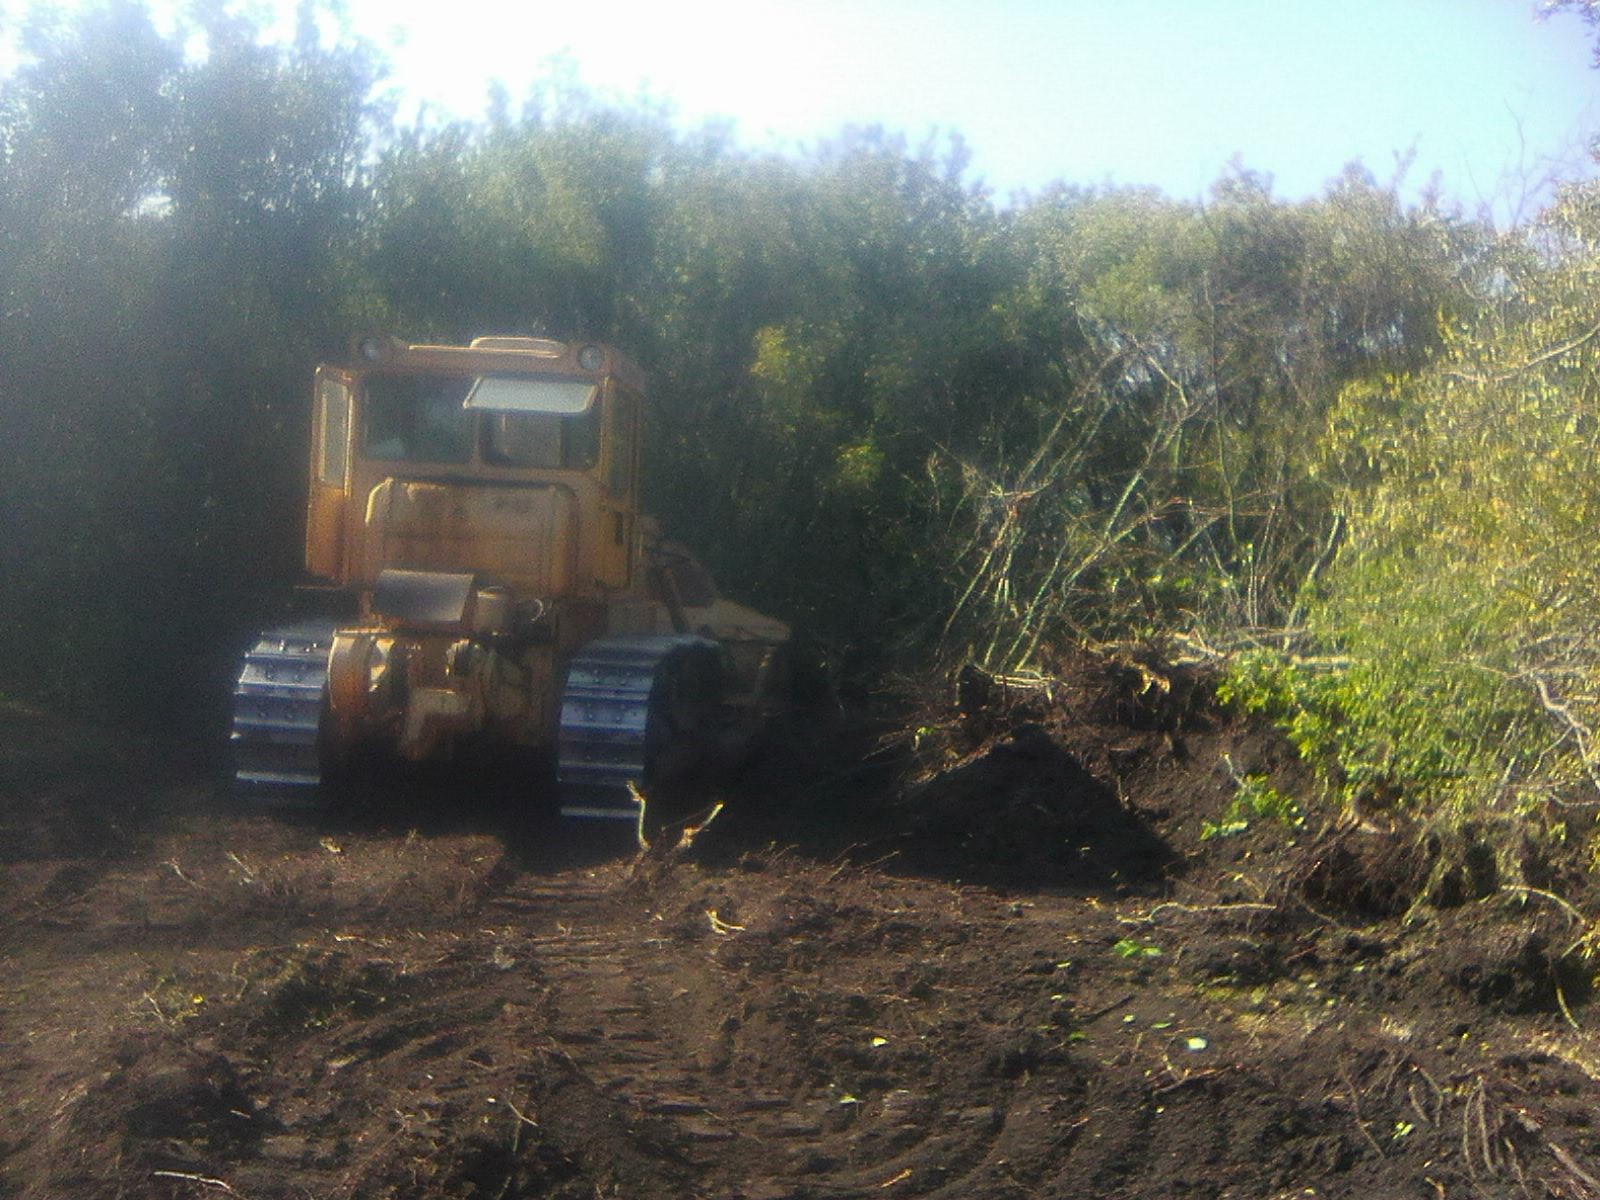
<point x="1133" y="91"/>
<point x="1160" y="92"/>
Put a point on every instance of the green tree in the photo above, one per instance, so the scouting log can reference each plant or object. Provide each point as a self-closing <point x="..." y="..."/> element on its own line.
<point x="1186" y="359"/>
<point x="540" y="223"/>
<point x="172" y="209"/>
<point x="1464" y="597"/>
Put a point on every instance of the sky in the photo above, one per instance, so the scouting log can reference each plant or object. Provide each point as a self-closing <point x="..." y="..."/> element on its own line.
<point x="1162" y="92"/>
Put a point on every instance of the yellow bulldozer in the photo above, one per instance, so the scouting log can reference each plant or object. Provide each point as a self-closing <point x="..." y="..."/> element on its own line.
<point x="476" y="508"/>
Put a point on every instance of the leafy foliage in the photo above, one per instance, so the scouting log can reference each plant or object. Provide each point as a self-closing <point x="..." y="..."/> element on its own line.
<point x="1193" y="356"/>
<point x="1464" y="597"/>
<point x="1256" y="800"/>
<point x="171" y="224"/>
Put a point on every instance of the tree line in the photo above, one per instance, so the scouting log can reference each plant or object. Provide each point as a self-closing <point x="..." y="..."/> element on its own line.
<point x="1344" y="439"/>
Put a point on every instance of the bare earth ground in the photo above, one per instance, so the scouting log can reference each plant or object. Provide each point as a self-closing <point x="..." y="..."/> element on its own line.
<point x="1028" y="976"/>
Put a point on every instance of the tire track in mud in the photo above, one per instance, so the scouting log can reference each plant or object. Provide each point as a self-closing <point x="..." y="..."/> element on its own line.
<point x="654" y="1022"/>
<point x="628" y="1010"/>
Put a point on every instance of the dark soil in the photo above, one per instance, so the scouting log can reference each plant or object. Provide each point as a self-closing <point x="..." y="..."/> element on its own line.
<point x="1036" y="971"/>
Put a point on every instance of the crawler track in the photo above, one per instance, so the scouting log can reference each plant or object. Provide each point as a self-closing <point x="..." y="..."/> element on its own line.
<point x="277" y="707"/>
<point x="630" y="703"/>
<point x="630" y="1013"/>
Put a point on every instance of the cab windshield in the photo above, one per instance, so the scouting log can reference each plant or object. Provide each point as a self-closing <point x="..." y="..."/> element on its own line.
<point x="518" y="421"/>
<point x="417" y="418"/>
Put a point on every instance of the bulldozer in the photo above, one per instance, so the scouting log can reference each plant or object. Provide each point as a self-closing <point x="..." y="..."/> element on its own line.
<point x="474" y="526"/>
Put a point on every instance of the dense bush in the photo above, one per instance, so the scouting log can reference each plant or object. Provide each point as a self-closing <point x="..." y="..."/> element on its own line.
<point x="1464" y="597"/>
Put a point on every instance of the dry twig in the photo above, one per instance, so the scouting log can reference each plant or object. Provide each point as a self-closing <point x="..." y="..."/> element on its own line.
<point x="1173" y="906"/>
<point x="1571" y="1164"/>
<point x="204" y="1181"/>
<point x="1355" y="1109"/>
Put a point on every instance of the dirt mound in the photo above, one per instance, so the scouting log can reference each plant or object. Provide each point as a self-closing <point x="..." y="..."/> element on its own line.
<point x="1025" y="812"/>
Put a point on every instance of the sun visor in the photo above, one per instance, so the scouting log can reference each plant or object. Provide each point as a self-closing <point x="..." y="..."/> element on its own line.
<point x="532" y="394"/>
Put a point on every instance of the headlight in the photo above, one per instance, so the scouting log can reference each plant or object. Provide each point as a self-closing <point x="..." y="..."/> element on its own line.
<point x="591" y="358"/>
<point x="372" y="349"/>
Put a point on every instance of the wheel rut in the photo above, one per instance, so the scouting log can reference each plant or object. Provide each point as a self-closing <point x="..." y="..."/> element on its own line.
<point x="653" y="1021"/>
<point x="617" y="1007"/>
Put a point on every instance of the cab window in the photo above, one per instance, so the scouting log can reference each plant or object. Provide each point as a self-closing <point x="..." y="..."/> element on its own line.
<point x="334" y="397"/>
<point x="540" y="439"/>
<point x="417" y="418"/>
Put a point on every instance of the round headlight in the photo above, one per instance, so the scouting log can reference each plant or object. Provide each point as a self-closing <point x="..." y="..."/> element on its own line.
<point x="372" y="349"/>
<point x="591" y="358"/>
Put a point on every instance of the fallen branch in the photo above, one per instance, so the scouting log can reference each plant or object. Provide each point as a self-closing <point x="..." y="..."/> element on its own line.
<point x="638" y="830"/>
<point x="1476" y="1106"/>
<point x="219" y="1184"/>
<point x="178" y="871"/>
<point x="1149" y="917"/>
<point x="515" y="1111"/>
<point x="1355" y="1111"/>
<point x="718" y="925"/>
<point x="1193" y="1077"/>
<point x="1100" y="1012"/>
<point x="1580" y="732"/>
<point x="1564" y="905"/>
<point x="1561" y="999"/>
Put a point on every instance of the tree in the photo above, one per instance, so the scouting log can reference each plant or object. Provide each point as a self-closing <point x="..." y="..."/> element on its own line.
<point x="1588" y="10"/>
<point x="172" y="219"/>
<point x="1191" y="356"/>
<point x="1462" y="601"/>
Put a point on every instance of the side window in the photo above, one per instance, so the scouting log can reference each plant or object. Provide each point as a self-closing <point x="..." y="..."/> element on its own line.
<point x="624" y="416"/>
<point x="333" y="398"/>
<point x="582" y="448"/>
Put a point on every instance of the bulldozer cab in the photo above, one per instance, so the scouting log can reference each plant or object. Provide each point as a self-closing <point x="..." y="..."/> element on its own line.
<point x="514" y="457"/>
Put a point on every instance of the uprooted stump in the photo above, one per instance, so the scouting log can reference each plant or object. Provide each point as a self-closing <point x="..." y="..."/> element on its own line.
<point x="1133" y="687"/>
